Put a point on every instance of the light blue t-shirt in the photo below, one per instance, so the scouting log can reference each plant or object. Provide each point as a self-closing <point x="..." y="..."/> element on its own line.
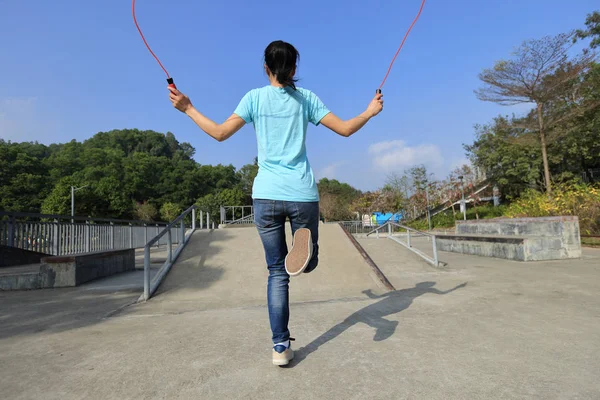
<point x="280" y="117"/>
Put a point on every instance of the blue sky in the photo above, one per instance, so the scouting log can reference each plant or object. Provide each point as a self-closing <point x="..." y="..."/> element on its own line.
<point x="71" y="69"/>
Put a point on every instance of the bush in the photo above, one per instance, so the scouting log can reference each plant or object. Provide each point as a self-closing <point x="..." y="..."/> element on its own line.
<point x="567" y="199"/>
<point x="170" y="211"/>
<point x="447" y="219"/>
<point x="145" y="211"/>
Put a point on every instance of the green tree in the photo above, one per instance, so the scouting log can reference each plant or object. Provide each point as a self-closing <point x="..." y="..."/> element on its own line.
<point x="59" y="200"/>
<point x="122" y="168"/>
<point x="336" y="199"/>
<point x="213" y="202"/>
<point x="170" y="211"/>
<point x="366" y="203"/>
<point x="592" y="29"/>
<point x="23" y="176"/>
<point x="145" y="211"/>
<point x="513" y="165"/>
<point x="246" y="176"/>
<point x="539" y="73"/>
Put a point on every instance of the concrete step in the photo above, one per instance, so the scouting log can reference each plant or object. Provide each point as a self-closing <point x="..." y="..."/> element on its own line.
<point x="23" y="277"/>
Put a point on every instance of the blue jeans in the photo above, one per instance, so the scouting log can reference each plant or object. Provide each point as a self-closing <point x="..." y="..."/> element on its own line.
<point x="270" y="217"/>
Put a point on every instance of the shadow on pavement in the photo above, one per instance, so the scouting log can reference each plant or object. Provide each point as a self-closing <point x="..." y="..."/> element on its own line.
<point x="373" y="315"/>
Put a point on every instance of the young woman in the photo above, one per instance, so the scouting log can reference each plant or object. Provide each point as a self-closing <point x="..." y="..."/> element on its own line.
<point x="285" y="186"/>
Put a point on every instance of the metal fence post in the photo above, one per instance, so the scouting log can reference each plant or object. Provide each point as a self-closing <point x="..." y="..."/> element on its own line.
<point x="182" y="233"/>
<point x="207" y="220"/>
<point x="145" y="234"/>
<point x="389" y="229"/>
<point x="112" y="236"/>
<point x="435" y="254"/>
<point x="201" y="219"/>
<point x="408" y="237"/>
<point x="88" y="236"/>
<point x="193" y="219"/>
<point x="11" y="231"/>
<point x="130" y="236"/>
<point x="170" y="246"/>
<point x="56" y="244"/>
<point x="158" y="241"/>
<point x="223" y="215"/>
<point x="146" y="272"/>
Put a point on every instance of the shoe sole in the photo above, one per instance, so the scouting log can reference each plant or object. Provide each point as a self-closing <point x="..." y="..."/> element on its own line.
<point x="300" y="254"/>
<point x="283" y="362"/>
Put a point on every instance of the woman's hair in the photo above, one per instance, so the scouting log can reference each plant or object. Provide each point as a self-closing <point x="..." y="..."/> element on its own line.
<point x="281" y="59"/>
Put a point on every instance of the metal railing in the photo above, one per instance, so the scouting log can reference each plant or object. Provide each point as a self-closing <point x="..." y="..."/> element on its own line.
<point x="231" y="215"/>
<point x="355" y="227"/>
<point x="65" y="235"/>
<point x="178" y="225"/>
<point x="205" y="218"/>
<point x="390" y="227"/>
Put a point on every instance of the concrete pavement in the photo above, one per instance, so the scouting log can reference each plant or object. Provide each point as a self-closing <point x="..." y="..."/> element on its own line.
<point x="478" y="328"/>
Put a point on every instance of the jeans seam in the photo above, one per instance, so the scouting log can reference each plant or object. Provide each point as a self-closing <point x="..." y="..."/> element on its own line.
<point x="297" y="211"/>
<point x="272" y="210"/>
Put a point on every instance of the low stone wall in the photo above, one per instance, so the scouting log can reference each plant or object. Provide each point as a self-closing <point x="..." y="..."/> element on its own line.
<point x="74" y="270"/>
<point x="521" y="239"/>
<point x="486" y="246"/>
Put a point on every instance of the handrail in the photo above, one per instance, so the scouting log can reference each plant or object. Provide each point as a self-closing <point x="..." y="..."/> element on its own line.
<point x="434" y="261"/>
<point x="400" y="226"/>
<point x="150" y="287"/>
<point x="242" y="220"/>
<point x="172" y="224"/>
<point x="225" y="214"/>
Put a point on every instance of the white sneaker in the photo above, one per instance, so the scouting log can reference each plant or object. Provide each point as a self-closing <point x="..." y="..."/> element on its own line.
<point x="283" y="355"/>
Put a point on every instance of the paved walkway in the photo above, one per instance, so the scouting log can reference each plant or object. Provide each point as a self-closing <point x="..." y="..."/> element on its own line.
<point x="477" y="329"/>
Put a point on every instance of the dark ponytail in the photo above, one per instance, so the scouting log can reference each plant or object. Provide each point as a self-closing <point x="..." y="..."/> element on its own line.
<point x="281" y="59"/>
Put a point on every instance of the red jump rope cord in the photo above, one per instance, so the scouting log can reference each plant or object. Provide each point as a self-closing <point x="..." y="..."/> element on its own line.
<point x="402" y="44"/>
<point x="144" y="39"/>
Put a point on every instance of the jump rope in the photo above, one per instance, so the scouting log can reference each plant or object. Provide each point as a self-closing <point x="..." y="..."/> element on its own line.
<point x="172" y="84"/>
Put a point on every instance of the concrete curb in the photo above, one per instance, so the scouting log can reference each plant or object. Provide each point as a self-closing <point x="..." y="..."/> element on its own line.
<point x="384" y="280"/>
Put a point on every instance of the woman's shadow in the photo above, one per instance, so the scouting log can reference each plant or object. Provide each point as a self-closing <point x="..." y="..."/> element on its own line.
<point x="373" y="315"/>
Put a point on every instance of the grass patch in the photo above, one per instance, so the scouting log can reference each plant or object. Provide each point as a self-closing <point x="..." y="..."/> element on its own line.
<point x="590" y="242"/>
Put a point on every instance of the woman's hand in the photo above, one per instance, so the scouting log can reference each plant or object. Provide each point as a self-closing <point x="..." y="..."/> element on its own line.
<point x="180" y="101"/>
<point x="376" y="105"/>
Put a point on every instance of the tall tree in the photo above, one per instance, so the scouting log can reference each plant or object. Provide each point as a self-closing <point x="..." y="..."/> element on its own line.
<point x="539" y="72"/>
<point x="592" y="29"/>
<point x="515" y="166"/>
<point x="246" y="176"/>
<point x="399" y="183"/>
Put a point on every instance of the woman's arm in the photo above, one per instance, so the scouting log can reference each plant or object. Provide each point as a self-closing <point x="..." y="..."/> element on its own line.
<point x="349" y="127"/>
<point x="219" y="132"/>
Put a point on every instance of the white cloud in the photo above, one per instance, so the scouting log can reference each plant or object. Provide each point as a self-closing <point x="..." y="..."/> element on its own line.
<point x="395" y="155"/>
<point x="329" y="171"/>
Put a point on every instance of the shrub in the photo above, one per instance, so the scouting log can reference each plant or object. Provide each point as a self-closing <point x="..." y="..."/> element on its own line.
<point x="581" y="200"/>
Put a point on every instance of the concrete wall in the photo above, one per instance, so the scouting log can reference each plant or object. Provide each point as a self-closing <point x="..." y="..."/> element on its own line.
<point x="74" y="270"/>
<point x="11" y="256"/>
<point x="565" y="227"/>
<point x="514" y="249"/>
<point x="548" y="238"/>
